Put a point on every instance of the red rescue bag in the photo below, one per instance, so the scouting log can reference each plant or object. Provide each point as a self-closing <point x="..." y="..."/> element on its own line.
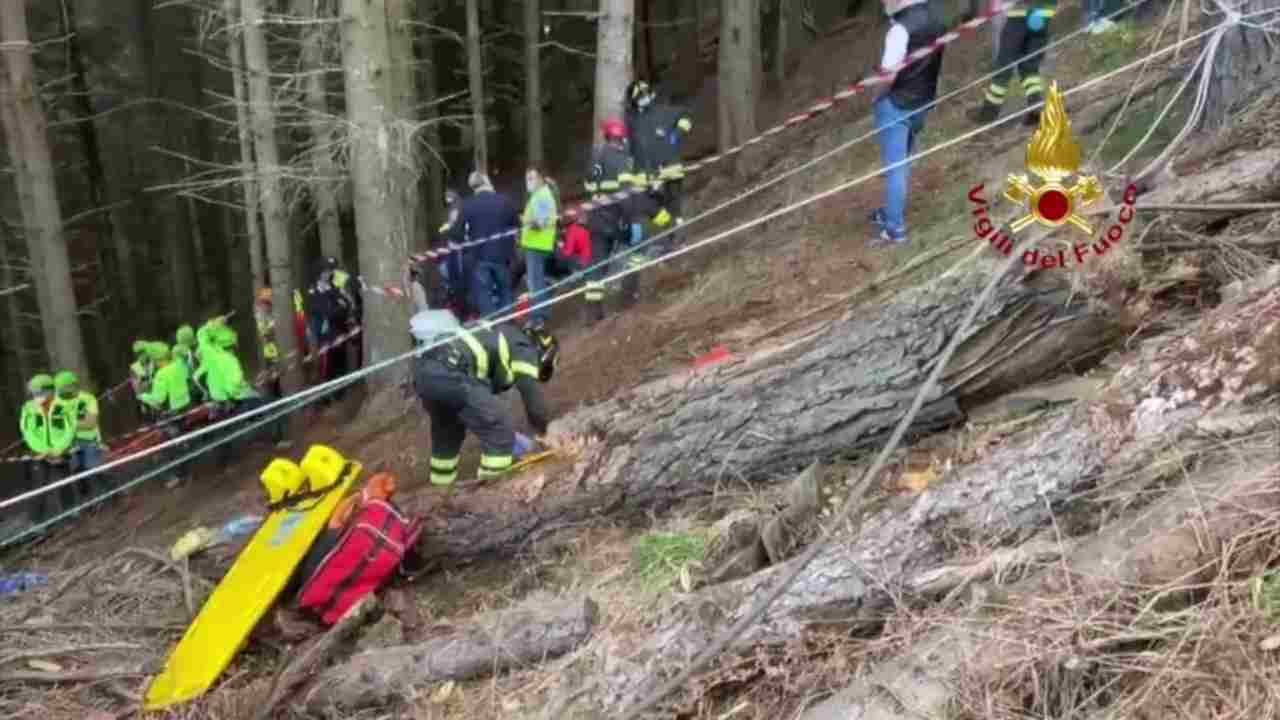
<point x="365" y="556"/>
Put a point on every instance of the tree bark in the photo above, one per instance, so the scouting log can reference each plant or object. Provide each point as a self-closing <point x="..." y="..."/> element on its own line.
<point x="739" y="73"/>
<point x="26" y="131"/>
<point x="615" y="43"/>
<point x="782" y="44"/>
<point x="838" y="389"/>
<point x="15" y="334"/>
<point x="1018" y="489"/>
<point x="508" y="639"/>
<point x="431" y="127"/>
<point x="1167" y="545"/>
<point x="405" y="95"/>
<point x="1245" y="63"/>
<point x="244" y="121"/>
<point x="271" y="194"/>
<point x="475" y="75"/>
<point x="382" y="170"/>
<point x="533" y="82"/>
<point x="328" y="176"/>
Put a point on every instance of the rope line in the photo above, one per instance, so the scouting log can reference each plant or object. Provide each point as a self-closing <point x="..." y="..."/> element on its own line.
<point x="700" y="216"/>
<point x="847" y="512"/>
<point x="311" y="394"/>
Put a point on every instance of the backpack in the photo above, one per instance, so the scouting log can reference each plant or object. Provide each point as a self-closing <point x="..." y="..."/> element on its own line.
<point x="364" y="557"/>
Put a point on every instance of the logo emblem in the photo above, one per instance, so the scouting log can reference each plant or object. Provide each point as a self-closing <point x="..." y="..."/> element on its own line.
<point x="1053" y="156"/>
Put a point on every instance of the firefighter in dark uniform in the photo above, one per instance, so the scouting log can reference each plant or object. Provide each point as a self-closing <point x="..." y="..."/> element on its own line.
<point x="459" y="383"/>
<point x="612" y="170"/>
<point x="656" y="130"/>
<point x="1026" y="31"/>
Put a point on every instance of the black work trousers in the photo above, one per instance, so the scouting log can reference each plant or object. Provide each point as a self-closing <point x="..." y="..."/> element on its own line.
<point x="459" y="403"/>
<point x="46" y="506"/>
<point x="1017" y="47"/>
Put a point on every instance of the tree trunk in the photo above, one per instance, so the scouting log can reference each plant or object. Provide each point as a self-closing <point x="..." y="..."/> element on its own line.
<point x="381" y="171"/>
<point x="782" y="44"/>
<point x="26" y="132"/>
<point x="1163" y="547"/>
<point x="739" y="74"/>
<point x="110" y="231"/>
<point x="271" y="195"/>
<point x="511" y="638"/>
<point x="1024" y="485"/>
<point x="244" y="121"/>
<point x="1245" y="63"/>
<point x="533" y="82"/>
<point x="328" y="175"/>
<point x="16" y="337"/>
<point x="405" y="94"/>
<point x="614" y="50"/>
<point x="475" y="74"/>
<point x="431" y="127"/>
<point x="839" y="389"/>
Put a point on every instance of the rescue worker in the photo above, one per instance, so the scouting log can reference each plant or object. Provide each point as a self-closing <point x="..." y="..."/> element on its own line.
<point x="899" y="111"/>
<point x="170" y="395"/>
<point x="1025" y="34"/>
<point x="538" y="239"/>
<point x="459" y="382"/>
<point x="489" y="216"/>
<point x="184" y="352"/>
<point x="86" y="451"/>
<point x="573" y="254"/>
<point x="48" y="435"/>
<point x="656" y="129"/>
<point x="333" y="311"/>
<point x="140" y="371"/>
<point x="612" y="170"/>
<point x="451" y="267"/>
<point x="265" y="320"/>
<point x="227" y="385"/>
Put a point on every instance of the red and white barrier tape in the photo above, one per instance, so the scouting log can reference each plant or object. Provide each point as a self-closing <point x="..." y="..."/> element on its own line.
<point x="818" y="108"/>
<point x="263" y="377"/>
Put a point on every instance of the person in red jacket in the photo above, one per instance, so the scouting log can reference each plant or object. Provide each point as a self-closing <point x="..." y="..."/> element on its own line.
<point x="573" y="251"/>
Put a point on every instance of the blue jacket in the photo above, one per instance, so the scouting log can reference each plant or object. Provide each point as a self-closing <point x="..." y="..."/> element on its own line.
<point x="483" y="215"/>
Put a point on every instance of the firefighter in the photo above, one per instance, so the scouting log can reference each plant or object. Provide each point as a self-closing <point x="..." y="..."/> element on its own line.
<point x="333" y="309"/>
<point x="656" y="130"/>
<point x="48" y="436"/>
<point x="459" y="382"/>
<point x="265" y="320"/>
<point x="86" y="451"/>
<point x="1026" y="31"/>
<point x="170" y="395"/>
<point x="612" y="170"/>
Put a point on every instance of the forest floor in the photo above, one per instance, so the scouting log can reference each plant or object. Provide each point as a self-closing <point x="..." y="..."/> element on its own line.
<point x="733" y="294"/>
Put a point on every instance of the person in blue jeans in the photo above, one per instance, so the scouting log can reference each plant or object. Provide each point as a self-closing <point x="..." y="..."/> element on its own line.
<point x="897" y="121"/>
<point x="538" y="238"/>
<point x="491" y="217"/>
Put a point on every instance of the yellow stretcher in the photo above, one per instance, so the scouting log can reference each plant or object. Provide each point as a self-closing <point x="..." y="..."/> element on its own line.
<point x="259" y="574"/>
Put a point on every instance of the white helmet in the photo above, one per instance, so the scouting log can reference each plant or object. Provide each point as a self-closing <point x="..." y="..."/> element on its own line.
<point x="430" y="325"/>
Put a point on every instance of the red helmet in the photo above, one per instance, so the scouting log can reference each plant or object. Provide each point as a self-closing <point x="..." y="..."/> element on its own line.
<point x="613" y="129"/>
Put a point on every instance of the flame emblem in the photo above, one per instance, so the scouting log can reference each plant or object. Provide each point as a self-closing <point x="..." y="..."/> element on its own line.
<point x="1053" y="156"/>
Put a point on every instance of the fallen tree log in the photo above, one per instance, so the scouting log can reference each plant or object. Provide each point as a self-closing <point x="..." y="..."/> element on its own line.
<point x="1177" y="542"/>
<point x="520" y="636"/>
<point x="837" y="389"/>
<point x="1160" y="399"/>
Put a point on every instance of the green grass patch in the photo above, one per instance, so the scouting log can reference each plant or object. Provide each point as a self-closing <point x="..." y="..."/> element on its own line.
<point x="1112" y="50"/>
<point x="1137" y="122"/>
<point x="659" y="557"/>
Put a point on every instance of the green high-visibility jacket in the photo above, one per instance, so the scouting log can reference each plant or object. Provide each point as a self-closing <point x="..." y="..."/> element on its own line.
<point x="50" y="428"/>
<point x="225" y="376"/>
<point x="542" y="207"/>
<point x="34" y="423"/>
<point x="78" y="409"/>
<point x="170" y="386"/>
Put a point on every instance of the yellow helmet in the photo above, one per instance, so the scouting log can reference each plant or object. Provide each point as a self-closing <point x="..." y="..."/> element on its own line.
<point x="323" y="466"/>
<point x="281" y="479"/>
